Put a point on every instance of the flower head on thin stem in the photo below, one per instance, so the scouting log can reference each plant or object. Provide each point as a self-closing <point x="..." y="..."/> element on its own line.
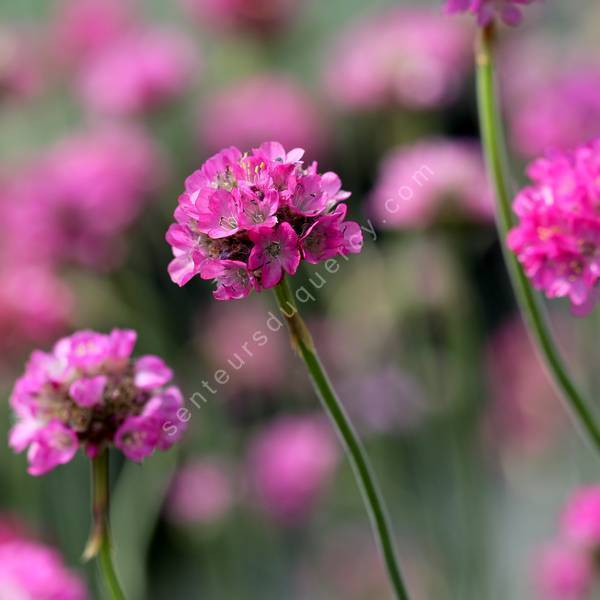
<point x="487" y="10"/>
<point x="245" y="220"/>
<point x="90" y="392"/>
<point x="558" y="237"/>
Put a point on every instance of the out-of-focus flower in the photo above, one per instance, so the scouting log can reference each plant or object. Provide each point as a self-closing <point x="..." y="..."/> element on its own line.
<point x="35" y="305"/>
<point x="431" y="180"/>
<point x="81" y="196"/>
<point x="20" y="67"/>
<point x="563" y="573"/>
<point x="138" y="72"/>
<point x="32" y="571"/>
<point x="246" y="219"/>
<point x="384" y="401"/>
<point x="86" y="27"/>
<point x="287" y="113"/>
<point x="290" y="462"/>
<point x="201" y="492"/>
<point x="524" y="415"/>
<point x="581" y="518"/>
<point x="90" y="392"/>
<point x="254" y="359"/>
<point x="557" y="239"/>
<point x="487" y="10"/>
<point x="264" y="16"/>
<point x="534" y="125"/>
<point x="412" y="58"/>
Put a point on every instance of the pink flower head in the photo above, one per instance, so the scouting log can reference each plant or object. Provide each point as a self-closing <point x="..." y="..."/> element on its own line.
<point x="290" y="463"/>
<point x="487" y="10"/>
<point x="246" y="219"/>
<point x="201" y="492"/>
<point x="90" y="392"/>
<point x="581" y="518"/>
<point x="564" y="573"/>
<point x="432" y="180"/>
<point x="413" y="58"/>
<point x="263" y="107"/>
<point x="138" y="72"/>
<point x="29" y="570"/>
<point x="557" y="239"/>
<point x="262" y="16"/>
<point x="79" y="198"/>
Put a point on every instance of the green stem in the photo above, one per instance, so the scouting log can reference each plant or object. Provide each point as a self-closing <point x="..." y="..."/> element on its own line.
<point x="494" y="145"/>
<point x="99" y="545"/>
<point x="303" y="344"/>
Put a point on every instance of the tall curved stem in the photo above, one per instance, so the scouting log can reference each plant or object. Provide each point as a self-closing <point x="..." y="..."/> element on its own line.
<point x="494" y="145"/>
<point x="302" y="342"/>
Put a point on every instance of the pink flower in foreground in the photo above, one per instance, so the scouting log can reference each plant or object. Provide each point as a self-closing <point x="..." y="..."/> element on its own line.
<point x="80" y="197"/>
<point x="261" y="15"/>
<point x="31" y="571"/>
<point x="564" y="573"/>
<point x="487" y="10"/>
<point x="434" y="179"/>
<point x="581" y="518"/>
<point x="201" y="492"/>
<point x="413" y="58"/>
<point x="281" y="109"/>
<point x="290" y="463"/>
<point x="557" y="239"/>
<point x="89" y="392"/>
<point x="246" y="219"/>
<point x="138" y="72"/>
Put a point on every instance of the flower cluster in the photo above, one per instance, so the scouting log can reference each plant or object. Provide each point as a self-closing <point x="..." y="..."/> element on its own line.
<point x="431" y="180"/>
<point x="567" y="568"/>
<point x="412" y="58"/>
<point x="31" y="570"/>
<point x="90" y="392"/>
<point x="487" y="10"/>
<point x="247" y="219"/>
<point x="558" y="237"/>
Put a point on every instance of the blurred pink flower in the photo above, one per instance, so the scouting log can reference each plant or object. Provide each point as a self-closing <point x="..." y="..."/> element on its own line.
<point x="21" y="69"/>
<point x="201" y="492"/>
<point x="487" y="10"/>
<point x="436" y="178"/>
<point x="85" y="27"/>
<point x="581" y="518"/>
<point x="563" y="573"/>
<point x="409" y="57"/>
<point x="138" y="72"/>
<point x="255" y="357"/>
<point x="287" y="113"/>
<point x="78" y="200"/>
<point x="524" y="414"/>
<point x="290" y="462"/>
<point x="557" y="238"/>
<point x="534" y="125"/>
<point x="32" y="571"/>
<point x="35" y="305"/>
<point x="265" y="16"/>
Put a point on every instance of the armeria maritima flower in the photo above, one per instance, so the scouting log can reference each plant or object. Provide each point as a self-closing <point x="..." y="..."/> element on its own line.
<point x="487" y="10"/>
<point x="558" y="238"/>
<point x="245" y="220"/>
<point x="89" y="392"/>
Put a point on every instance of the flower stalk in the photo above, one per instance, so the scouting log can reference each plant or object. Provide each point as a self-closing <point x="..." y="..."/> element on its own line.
<point x="304" y="346"/>
<point x="495" y="150"/>
<point x="99" y="544"/>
